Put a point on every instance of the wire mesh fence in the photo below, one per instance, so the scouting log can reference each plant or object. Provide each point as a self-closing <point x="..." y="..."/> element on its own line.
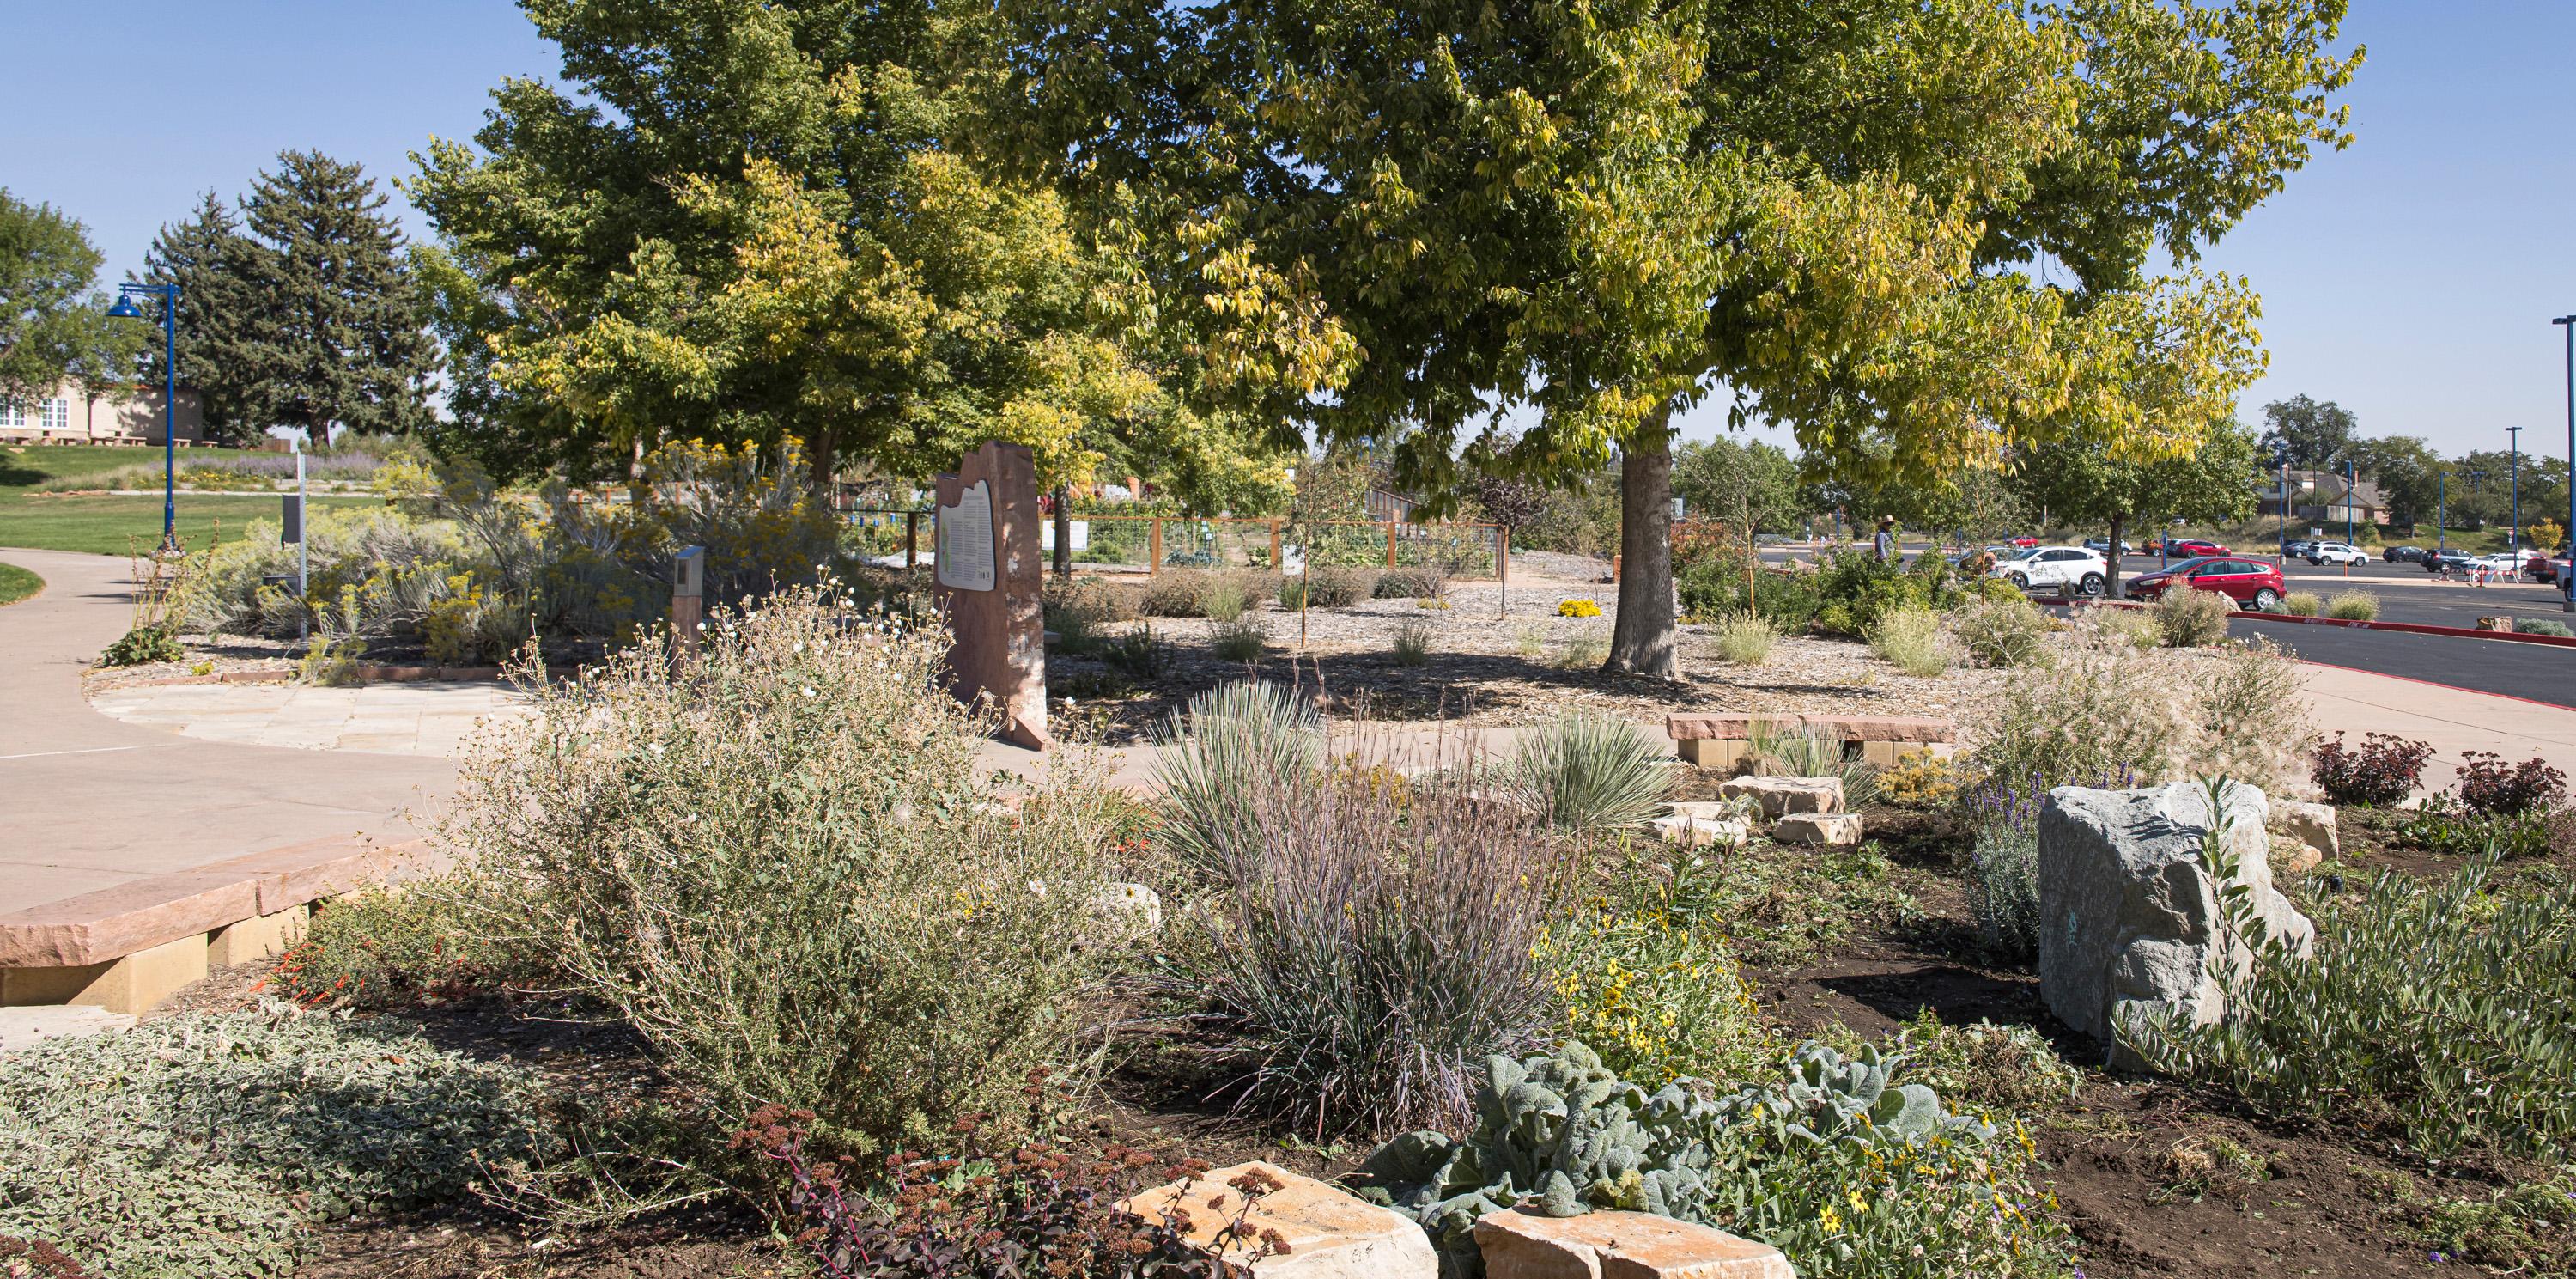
<point x="1152" y="543"/>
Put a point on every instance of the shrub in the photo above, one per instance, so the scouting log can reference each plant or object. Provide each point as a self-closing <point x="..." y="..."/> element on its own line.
<point x="1079" y="612"/>
<point x="377" y="948"/>
<point x="1577" y="608"/>
<point x="2383" y="772"/>
<point x="2003" y="868"/>
<point x="205" y="1144"/>
<point x="1742" y="638"/>
<point x="1408" y="584"/>
<point x="2431" y="1004"/>
<point x="1529" y="640"/>
<point x="1138" y="654"/>
<point x="2192" y="618"/>
<point x="2109" y="714"/>
<point x="1922" y="780"/>
<point x="2353" y="606"/>
<point x="2489" y="785"/>
<point x="1374" y="941"/>
<point x="1223" y="599"/>
<point x="1909" y="637"/>
<point x="1660" y="1002"/>
<point x="1175" y="592"/>
<point x="142" y="647"/>
<point x="2542" y="626"/>
<point x="2301" y="604"/>
<point x="1584" y="650"/>
<point x="782" y="867"/>
<point x="1240" y="640"/>
<point x="2445" y="828"/>
<point x="1587" y="772"/>
<point x="2002" y="633"/>
<point x="1323" y="586"/>
<point x="2102" y="629"/>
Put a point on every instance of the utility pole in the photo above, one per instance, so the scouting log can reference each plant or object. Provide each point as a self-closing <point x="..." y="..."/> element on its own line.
<point x="2567" y="579"/>
<point x="2513" y="535"/>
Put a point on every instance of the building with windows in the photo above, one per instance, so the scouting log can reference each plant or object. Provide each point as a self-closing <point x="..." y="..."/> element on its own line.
<point x="2321" y="497"/>
<point x="71" y="415"/>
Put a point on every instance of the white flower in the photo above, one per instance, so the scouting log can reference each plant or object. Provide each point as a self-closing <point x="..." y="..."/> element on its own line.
<point x="1038" y="888"/>
<point x="808" y="692"/>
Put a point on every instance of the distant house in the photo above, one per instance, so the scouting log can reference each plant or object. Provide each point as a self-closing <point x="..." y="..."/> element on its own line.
<point x="73" y="416"/>
<point x="2321" y="497"/>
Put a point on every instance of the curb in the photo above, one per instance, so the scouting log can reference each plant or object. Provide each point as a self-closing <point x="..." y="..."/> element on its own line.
<point x="2410" y="628"/>
<point x="366" y="675"/>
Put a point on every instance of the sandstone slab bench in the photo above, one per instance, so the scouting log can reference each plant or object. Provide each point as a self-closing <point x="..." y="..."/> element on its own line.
<point x="1721" y="740"/>
<point x="129" y="947"/>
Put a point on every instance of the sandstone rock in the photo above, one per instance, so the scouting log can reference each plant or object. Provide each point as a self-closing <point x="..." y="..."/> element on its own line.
<point x="1780" y="795"/>
<point x="1330" y="1235"/>
<point x="1699" y="832"/>
<point x="2310" y="824"/>
<point x="1818" y="828"/>
<point x="1712" y="810"/>
<point x="2128" y="921"/>
<point x="1619" y="1245"/>
<point x="1140" y="908"/>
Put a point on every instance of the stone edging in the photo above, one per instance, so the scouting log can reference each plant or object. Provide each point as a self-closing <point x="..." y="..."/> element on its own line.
<point x="366" y="675"/>
<point x="112" y="923"/>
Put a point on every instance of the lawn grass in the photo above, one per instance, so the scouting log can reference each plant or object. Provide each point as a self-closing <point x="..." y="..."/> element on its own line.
<point x="113" y="525"/>
<point x="17" y="584"/>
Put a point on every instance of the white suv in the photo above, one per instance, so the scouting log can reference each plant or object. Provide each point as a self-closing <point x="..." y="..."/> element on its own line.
<point x="2049" y="567"/>
<point x="2337" y="553"/>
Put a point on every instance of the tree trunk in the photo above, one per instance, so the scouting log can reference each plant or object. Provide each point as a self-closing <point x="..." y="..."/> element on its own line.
<point x="822" y="458"/>
<point x="1063" y="530"/>
<point x="2114" y="558"/>
<point x="1642" y="641"/>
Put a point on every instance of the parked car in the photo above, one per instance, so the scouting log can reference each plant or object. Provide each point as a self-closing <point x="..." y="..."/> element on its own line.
<point x="2054" y="566"/>
<point x="2445" y="561"/>
<point x="2103" y="545"/>
<point x="2023" y="541"/>
<point x="2297" y="549"/>
<point x="2193" y="547"/>
<point x="2337" y="553"/>
<point x="2252" y="584"/>
<point x="2403" y="555"/>
<point x="2540" y="567"/>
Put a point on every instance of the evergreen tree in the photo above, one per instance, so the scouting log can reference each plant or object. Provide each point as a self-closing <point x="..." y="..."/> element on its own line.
<point x="220" y="295"/>
<point x="338" y="337"/>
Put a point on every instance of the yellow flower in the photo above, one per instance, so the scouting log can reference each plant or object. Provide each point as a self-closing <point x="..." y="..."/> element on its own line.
<point x="1830" y="1220"/>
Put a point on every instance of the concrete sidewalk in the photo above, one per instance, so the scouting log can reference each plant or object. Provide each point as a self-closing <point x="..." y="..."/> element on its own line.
<point x="88" y="803"/>
<point x="2451" y="720"/>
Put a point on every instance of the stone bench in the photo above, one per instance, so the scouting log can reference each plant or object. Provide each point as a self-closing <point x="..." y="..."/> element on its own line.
<point x="1721" y="740"/>
<point x="128" y="947"/>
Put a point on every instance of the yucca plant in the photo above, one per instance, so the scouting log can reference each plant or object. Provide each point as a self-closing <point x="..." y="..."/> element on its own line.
<point x="1587" y="772"/>
<point x="1809" y="750"/>
<point x="1225" y="747"/>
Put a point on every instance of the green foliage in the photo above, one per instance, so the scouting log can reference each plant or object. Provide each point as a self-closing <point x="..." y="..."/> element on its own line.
<point x="1216" y="761"/>
<point x="2009" y="1068"/>
<point x="382" y="948"/>
<point x="143" y="646"/>
<point x="2302" y="604"/>
<point x="1322" y="586"/>
<point x="1137" y="654"/>
<point x="1177" y="593"/>
<point x="2316" y="436"/>
<point x="1407" y="583"/>
<point x="1781" y="906"/>
<point x="1663" y="1002"/>
<point x="2529" y="626"/>
<point x="1742" y="638"/>
<point x="335" y="335"/>
<point x="2448" y="828"/>
<point x="206" y="1144"/>
<point x="52" y="326"/>
<point x="2353" y="606"/>
<point x="1584" y="650"/>
<point x="1909" y="637"/>
<point x="1586" y="773"/>
<point x="2003" y="889"/>
<point x="2430" y="1005"/>
<point x="2525" y="1226"/>
<point x="782" y="867"/>
<point x="1752" y="484"/>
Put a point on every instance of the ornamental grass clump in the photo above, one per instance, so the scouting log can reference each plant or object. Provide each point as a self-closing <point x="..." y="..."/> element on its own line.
<point x="1587" y="773"/>
<point x="1909" y="638"/>
<point x="1373" y="934"/>
<point x="1742" y="638"/>
<point x="2002" y="632"/>
<point x="2191" y="617"/>
<point x="2353" y="606"/>
<point x="781" y="865"/>
<point x="2302" y="604"/>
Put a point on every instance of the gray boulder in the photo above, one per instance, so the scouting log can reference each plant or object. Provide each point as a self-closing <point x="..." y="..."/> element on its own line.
<point x="2128" y="920"/>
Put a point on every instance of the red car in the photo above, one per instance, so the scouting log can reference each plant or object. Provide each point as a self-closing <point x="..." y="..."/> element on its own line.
<point x="2251" y="583"/>
<point x="2194" y="547"/>
<point x="2024" y="543"/>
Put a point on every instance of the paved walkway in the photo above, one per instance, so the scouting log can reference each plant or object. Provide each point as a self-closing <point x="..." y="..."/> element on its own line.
<point x="87" y="802"/>
<point x="425" y="718"/>
<point x="2451" y="720"/>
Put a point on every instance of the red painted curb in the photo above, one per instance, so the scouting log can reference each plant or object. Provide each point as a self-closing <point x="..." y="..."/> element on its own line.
<point x="2411" y="628"/>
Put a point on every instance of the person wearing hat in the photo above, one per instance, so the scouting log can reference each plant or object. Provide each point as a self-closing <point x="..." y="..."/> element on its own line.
<point x="1886" y="539"/>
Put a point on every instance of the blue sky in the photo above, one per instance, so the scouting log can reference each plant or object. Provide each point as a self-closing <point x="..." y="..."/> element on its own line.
<point x="2410" y="279"/>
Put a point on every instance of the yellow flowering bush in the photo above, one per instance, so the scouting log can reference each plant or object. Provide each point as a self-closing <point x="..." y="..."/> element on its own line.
<point x="1938" y="1206"/>
<point x="1656" y="1001"/>
<point x="1578" y="608"/>
<point x="1921" y="781"/>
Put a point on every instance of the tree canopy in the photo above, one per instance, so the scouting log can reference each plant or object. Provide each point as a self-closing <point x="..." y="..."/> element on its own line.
<point x="2316" y="437"/>
<point x="53" y="322"/>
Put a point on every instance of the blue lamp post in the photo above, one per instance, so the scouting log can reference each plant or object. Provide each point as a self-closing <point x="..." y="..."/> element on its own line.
<point x="126" y="310"/>
<point x="2441" y="511"/>
<point x="2567" y="580"/>
<point x="2513" y="536"/>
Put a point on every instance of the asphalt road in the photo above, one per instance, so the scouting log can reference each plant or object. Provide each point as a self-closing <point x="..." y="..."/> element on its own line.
<point x="2534" y="672"/>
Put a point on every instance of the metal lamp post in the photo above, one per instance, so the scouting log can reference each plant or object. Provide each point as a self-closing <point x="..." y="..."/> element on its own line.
<point x="2441" y="504"/>
<point x="126" y="310"/>
<point x="2513" y="535"/>
<point x="2567" y="580"/>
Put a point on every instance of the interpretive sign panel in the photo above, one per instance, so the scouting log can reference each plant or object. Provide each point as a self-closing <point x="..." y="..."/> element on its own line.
<point x="965" y="542"/>
<point x="988" y="587"/>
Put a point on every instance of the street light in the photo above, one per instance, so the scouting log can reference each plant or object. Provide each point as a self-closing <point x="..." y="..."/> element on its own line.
<point x="2567" y="580"/>
<point x="2513" y="535"/>
<point x="2441" y="531"/>
<point x="2281" y="508"/>
<point x="126" y="310"/>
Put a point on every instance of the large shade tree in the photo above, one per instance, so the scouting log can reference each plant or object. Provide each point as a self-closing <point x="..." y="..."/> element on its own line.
<point x="54" y="325"/>
<point x="1917" y="232"/>
<point x="751" y="222"/>
<point x="2080" y="482"/>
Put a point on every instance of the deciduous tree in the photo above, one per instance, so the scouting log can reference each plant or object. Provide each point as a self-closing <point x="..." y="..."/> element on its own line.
<point x="2086" y="483"/>
<point x="53" y="324"/>
<point x="2318" y="437"/>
